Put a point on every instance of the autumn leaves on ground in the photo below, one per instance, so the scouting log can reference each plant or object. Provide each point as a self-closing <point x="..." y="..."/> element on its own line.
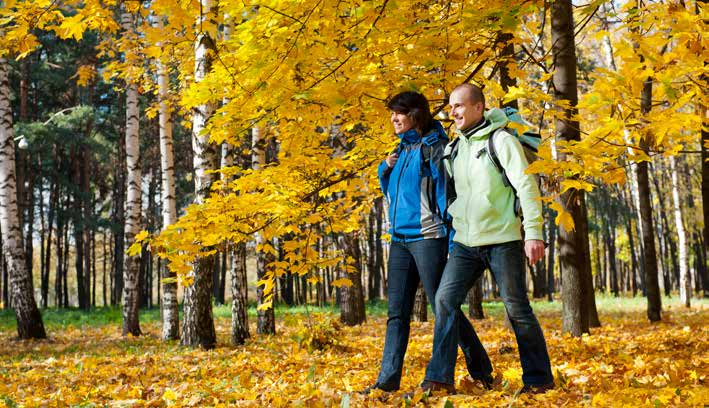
<point x="313" y="361"/>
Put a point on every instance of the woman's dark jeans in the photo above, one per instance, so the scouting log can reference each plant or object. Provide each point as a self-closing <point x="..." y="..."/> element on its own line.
<point x="466" y="264"/>
<point x="409" y="263"/>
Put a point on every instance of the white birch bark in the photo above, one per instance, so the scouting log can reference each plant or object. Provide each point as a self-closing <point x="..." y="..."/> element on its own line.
<point x="170" y="311"/>
<point x="685" y="288"/>
<point x="198" y="325"/>
<point x="131" y="272"/>
<point x="22" y="301"/>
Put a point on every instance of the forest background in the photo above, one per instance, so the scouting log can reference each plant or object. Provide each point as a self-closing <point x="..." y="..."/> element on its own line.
<point x="188" y="154"/>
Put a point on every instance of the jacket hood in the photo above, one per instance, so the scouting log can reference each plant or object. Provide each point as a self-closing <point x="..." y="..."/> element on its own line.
<point x="495" y="118"/>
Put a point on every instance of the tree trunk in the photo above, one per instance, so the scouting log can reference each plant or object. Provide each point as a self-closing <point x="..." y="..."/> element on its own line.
<point x="420" y="312"/>
<point x="685" y="288"/>
<point x="475" y="301"/>
<point x="352" y="299"/>
<point x="119" y="219"/>
<point x="654" y="301"/>
<point x="239" y="295"/>
<point x="198" y="327"/>
<point x="29" y="320"/>
<point x="170" y="312"/>
<point x="705" y="184"/>
<point x="131" y="274"/>
<point x="571" y="242"/>
<point x="266" y="321"/>
<point x="550" y="263"/>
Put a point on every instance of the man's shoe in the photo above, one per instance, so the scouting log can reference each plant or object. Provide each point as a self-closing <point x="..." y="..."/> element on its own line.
<point x="536" y="389"/>
<point x="428" y="387"/>
<point x="470" y="385"/>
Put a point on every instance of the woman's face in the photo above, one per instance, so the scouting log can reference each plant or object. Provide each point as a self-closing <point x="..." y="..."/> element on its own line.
<point x="401" y="121"/>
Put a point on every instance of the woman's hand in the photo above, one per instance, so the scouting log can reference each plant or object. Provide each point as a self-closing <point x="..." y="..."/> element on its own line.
<point x="391" y="160"/>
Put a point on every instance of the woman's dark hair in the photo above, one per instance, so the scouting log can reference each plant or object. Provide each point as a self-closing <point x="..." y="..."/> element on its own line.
<point x="415" y="106"/>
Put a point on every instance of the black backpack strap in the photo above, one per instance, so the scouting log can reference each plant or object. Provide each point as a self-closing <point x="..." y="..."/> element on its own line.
<point x="496" y="161"/>
<point x="492" y="153"/>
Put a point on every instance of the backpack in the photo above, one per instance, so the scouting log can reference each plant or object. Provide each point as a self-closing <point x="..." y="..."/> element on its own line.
<point x="530" y="144"/>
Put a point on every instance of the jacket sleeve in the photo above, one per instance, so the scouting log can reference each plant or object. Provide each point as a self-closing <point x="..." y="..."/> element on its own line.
<point x="384" y="171"/>
<point x="511" y="155"/>
<point x="440" y="179"/>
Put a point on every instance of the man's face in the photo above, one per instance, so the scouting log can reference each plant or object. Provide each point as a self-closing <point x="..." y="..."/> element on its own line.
<point x="464" y="112"/>
<point x="401" y="121"/>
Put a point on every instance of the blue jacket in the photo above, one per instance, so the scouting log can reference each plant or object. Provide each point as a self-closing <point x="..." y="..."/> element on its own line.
<point x="416" y="186"/>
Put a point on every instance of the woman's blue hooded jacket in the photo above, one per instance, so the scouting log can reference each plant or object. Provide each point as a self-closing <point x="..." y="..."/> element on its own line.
<point x="416" y="186"/>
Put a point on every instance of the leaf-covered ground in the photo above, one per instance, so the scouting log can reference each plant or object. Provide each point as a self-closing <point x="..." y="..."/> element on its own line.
<point x="627" y="362"/>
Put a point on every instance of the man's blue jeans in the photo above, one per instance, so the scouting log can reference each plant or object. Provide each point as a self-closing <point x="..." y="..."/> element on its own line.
<point x="464" y="268"/>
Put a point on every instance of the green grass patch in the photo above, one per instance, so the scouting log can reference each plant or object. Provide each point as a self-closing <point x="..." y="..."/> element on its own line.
<point x="102" y="316"/>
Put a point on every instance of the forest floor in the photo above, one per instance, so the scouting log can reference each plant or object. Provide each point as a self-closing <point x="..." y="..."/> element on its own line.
<point x="313" y="361"/>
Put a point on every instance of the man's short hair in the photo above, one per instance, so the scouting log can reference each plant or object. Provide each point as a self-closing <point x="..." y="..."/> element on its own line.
<point x="474" y="91"/>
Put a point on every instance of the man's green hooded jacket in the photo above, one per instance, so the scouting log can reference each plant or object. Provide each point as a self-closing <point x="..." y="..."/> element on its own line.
<point x="483" y="211"/>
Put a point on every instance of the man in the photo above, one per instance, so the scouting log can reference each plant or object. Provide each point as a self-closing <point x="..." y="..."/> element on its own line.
<point x="487" y="235"/>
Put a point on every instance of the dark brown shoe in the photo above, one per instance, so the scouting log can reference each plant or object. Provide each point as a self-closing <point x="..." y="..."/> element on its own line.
<point x="428" y="387"/>
<point x="536" y="389"/>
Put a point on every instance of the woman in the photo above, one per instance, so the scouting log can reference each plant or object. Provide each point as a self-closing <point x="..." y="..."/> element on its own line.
<point x="413" y="180"/>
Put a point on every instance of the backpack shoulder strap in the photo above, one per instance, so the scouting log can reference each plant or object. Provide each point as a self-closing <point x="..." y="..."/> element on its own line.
<point x="495" y="160"/>
<point x="449" y="154"/>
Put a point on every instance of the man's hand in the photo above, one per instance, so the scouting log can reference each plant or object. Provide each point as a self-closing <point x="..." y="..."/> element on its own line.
<point x="534" y="249"/>
<point x="391" y="160"/>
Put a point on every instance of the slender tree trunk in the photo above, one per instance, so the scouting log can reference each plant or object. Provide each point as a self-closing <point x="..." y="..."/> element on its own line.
<point x="131" y="274"/>
<point x="705" y="188"/>
<point x="352" y="297"/>
<point x="53" y="203"/>
<point x="475" y="301"/>
<point x="119" y="221"/>
<point x="654" y="301"/>
<point x="266" y="322"/>
<point x="239" y="295"/>
<point x="571" y="242"/>
<point x="420" y="312"/>
<point x="104" y="255"/>
<point x="170" y="311"/>
<point x="685" y="288"/>
<point x="550" y="263"/>
<point x="198" y="328"/>
<point x="29" y="320"/>
<point x="86" y="205"/>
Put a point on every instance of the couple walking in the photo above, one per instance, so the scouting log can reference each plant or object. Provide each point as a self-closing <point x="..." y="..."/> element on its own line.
<point x="485" y="234"/>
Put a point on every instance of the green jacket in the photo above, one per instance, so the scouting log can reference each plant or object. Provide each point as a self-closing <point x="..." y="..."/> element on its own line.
<point x="483" y="211"/>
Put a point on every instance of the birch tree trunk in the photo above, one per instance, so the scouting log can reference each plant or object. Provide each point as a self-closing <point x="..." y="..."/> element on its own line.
<point x="685" y="287"/>
<point x="198" y="326"/>
<point x="170" y="311"/>
<point x="572" y="255"/>
<point x="22" y="301"/>
<point x="131" y="271"/>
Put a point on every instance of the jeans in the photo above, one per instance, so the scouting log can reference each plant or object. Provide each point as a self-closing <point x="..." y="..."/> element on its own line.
<point x="464" y="268"/>
<point x="409" y="263"/>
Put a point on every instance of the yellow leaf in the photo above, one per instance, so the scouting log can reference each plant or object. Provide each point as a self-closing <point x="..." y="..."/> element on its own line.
<point x="563" y="218"/>
<point x="140" y="237"/>
<point x="134" y="249"/>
